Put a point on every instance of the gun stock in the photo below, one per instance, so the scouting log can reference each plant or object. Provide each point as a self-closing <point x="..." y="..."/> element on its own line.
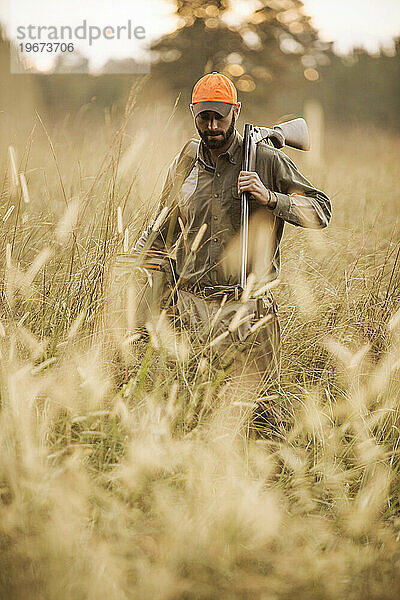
<point x="295" y="133"/>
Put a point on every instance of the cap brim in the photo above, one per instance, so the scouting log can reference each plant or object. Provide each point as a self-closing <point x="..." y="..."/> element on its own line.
<point x="222" y="108"/>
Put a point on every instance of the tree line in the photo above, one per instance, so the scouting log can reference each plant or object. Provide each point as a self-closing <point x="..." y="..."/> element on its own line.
<point x="274" y="57"/>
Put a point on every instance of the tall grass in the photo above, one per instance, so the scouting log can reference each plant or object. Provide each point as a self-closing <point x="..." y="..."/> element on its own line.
<point x="125" y="471"/>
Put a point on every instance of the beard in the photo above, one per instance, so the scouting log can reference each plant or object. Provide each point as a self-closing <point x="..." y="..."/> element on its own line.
<point x="210" y="140"/>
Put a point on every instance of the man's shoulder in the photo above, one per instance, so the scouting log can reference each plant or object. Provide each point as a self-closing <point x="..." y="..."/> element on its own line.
<point x="268" y="154"/>
<point x="185" y="157"/>
<point x="190" y="149"/>
<point x="267" y="151"/>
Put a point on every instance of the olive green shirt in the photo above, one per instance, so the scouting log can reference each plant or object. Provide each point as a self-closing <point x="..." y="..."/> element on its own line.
<point x="209" y="194"/>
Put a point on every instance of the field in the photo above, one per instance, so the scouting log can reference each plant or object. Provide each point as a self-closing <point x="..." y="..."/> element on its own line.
<point x="112" y="483"/>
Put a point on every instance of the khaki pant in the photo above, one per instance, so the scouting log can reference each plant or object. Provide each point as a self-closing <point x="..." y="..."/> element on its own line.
<point x="247" y="355"/>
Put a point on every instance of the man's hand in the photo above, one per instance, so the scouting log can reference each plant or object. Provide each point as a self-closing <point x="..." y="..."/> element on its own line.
<point x="249" y="181"/>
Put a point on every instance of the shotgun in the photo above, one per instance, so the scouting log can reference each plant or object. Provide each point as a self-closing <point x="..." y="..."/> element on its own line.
<point x="291" y="133"/>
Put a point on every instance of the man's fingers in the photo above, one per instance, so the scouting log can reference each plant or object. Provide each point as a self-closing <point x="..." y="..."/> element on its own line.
<point x="247" y="188"/>
<point x="245" y="179"/>
<point x="247" y="174"/>
<point x="249" y="179"/>
<point x="249" y="182"/>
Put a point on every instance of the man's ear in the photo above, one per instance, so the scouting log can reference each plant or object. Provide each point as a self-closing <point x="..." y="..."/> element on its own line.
<point x="237" y="108"/>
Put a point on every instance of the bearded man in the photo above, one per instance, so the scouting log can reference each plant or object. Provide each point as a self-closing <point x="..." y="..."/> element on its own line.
<point x="198" y="243"/>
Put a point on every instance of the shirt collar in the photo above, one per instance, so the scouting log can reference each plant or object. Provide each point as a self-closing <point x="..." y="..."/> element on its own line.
<point x="233" y="152"/>
<point x="235" y="149"/>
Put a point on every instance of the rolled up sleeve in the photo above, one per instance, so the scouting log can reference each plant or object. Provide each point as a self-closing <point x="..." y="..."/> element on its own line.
<point x="298" y="201"/>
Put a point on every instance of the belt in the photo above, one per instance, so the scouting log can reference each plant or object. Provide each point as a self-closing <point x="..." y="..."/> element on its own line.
<point x="233" y="292"/>
<point x="264" y="304"/>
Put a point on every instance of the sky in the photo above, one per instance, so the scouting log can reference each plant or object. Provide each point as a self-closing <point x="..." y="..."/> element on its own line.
<point x="348" y="23"/>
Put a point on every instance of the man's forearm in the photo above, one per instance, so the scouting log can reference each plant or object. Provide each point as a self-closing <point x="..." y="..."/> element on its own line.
<point x="297" y="201"/>
<point x="304" y="211"/>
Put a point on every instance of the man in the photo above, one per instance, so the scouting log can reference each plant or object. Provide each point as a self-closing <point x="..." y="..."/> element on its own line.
<point x="204" y="216"/>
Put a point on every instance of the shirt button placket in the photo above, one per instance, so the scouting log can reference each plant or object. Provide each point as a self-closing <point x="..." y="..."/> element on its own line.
<point x="212" y="232"/>
<point x="214" y="245"/>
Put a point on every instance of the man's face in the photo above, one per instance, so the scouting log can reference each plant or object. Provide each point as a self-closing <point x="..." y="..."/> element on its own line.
<point x="214" y="129"/>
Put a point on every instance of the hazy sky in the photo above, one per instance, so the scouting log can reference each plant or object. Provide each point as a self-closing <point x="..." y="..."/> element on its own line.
<point x="370" y="23"/>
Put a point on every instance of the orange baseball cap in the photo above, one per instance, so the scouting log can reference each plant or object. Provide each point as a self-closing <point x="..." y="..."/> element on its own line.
<point x="215" y="92"/>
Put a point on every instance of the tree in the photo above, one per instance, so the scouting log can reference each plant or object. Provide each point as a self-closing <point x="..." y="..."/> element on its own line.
<point x="199" y="45"/>
<point x="260" y="54"/>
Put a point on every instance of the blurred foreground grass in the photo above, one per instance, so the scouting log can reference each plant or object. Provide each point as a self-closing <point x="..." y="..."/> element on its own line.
<point x="107" y="488"/>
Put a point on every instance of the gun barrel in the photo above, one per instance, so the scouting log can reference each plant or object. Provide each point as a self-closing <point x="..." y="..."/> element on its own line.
<point x="247" y="164"/>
